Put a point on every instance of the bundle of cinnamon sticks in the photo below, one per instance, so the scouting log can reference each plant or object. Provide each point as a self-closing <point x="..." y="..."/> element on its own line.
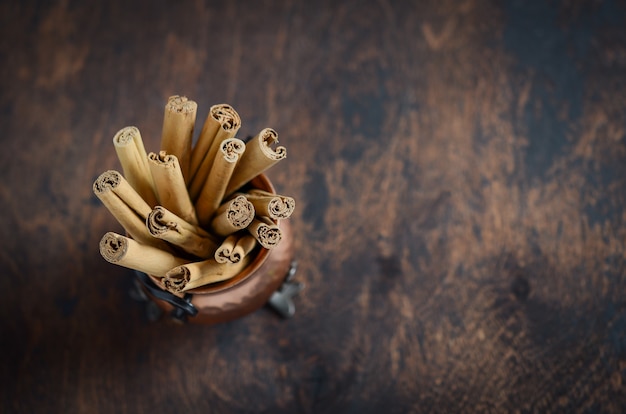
<point x="189" y="214"/>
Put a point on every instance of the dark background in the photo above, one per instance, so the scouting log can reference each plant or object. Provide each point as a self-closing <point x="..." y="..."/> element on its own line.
<point x="460" y="173"/>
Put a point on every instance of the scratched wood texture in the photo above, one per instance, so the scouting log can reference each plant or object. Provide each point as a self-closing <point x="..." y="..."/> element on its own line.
<point x="460" y="174"/>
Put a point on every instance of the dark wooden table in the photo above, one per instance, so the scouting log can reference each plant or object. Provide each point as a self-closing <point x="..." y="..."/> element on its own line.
<point x="460" y="174"/>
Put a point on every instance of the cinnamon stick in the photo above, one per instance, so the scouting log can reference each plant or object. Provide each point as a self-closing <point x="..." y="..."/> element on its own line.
<point x="271" y="205"/>
<point x="170" y="186"/>
<point x="196" y="274"/>
<point x="244" y="246"/>
<point x="223" y="252"/>
<point x="234" y="248"/>
<point x="233" y="215"/>
<point x="265" y="232"/>
<point x="163" y="224"/>
<point x="124" y="251"/>
<point x="259" y="156"/>
<point x="178" y="124"/>
<point x="132" y="155"/>
<point x="212" y="192"/>
<point x="126" y="205"/>
<point x="221" y="123"/>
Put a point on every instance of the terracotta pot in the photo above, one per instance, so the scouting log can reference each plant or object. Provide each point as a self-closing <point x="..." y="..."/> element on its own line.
<point x="249" y="290"/>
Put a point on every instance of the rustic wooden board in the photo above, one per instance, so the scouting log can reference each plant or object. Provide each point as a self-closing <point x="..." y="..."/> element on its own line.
<point x="460" y="176"/>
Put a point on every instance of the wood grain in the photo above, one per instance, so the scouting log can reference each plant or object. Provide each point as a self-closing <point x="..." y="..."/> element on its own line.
<point x="460" y="178"/>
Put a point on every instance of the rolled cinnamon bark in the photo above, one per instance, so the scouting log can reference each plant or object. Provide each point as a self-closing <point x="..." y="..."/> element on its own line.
<point x="112" y="182"/>
<point x="234" y="248"/>
<point x="170" y="186"/>
<point x="234" y="215"/>
<point x="165" y="225"/>
<point x="259" y="156"/>
<point x="124" y="251"/>
<point x="271" y="205"/>
<point x="193" y="275"/>
<point x="221" y="123"/>
<point x="178" y="124"/>
<point x="224" y="250"/>
<point x="128" y="208"/>
<point x="132" y="155"/>
<point x="244" y="246"/>
<point x="265" y="232"/>
<point x="212" y="192"/>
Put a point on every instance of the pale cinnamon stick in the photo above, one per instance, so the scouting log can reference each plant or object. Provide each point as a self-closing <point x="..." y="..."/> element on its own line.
<point x="265" y="232"/>
<point x="259" y="156"/>
<point x="224" y="250"/>
<point x="221" y="123"/>
<point x="234" y="248"/>
<point x="245" y="244"/>
<point x="196" y="274"/>
<point x="271" y="205"/>
<point x="178" y="124"/>
<point x="124" y="251"/>
<point x="132" y="155"/>
<point x="212" y="193"/>
<point x="128" y="208"/>
<point x="165" y="225"/>
<point x="170" y="186"/>
<point x="233" y="215"/>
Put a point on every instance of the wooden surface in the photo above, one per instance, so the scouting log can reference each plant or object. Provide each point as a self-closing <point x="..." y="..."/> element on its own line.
<point x="460" y="176"/>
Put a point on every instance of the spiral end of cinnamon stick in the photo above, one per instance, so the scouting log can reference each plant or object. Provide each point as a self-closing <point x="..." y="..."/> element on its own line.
<point x="156" y="223"/>
<point x="281" y="207"/>
<point x="168" y="160"/>
<point x="126" y="136"/>
<point x="226" y="116"/>
<point x="269" y="237"/>
<point x="235" y="257"/>
<point x="232" y="148"/>
<point x="267" y="234"/>
<point x="176" y="279"/>
<point x="180" y="104"/>
<point x="222" y="254"/>
<point x="267" y="139"/>
<point x="113" y="247"/>
<point x="107" y="181"/>
<point x="240" y="212"/>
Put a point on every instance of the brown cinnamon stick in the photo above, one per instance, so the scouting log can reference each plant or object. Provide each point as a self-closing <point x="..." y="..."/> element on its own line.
<point x="223" y="252"/>
<point x="132" y="155"/>
<point x="193" y="275"/>
<point x="126" y="205"/>
<point x="232" y="216"/>
<point x="170" y="186"/>
<point x="271" y="205"/>
<point x="245" y="244"/>
<point x="265" y="232"/>
<point x="221" y="123"/>
<point x="234" y="248"/>
<point x="212" y="192"/>
<point x="165" y="225"/>
<point x="178" y="125"/>
<point x="259" y="156"/>
<point x="124" y="251"/>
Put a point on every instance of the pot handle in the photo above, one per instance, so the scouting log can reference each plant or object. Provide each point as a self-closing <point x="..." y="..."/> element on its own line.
<point x="182" y="306"/>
